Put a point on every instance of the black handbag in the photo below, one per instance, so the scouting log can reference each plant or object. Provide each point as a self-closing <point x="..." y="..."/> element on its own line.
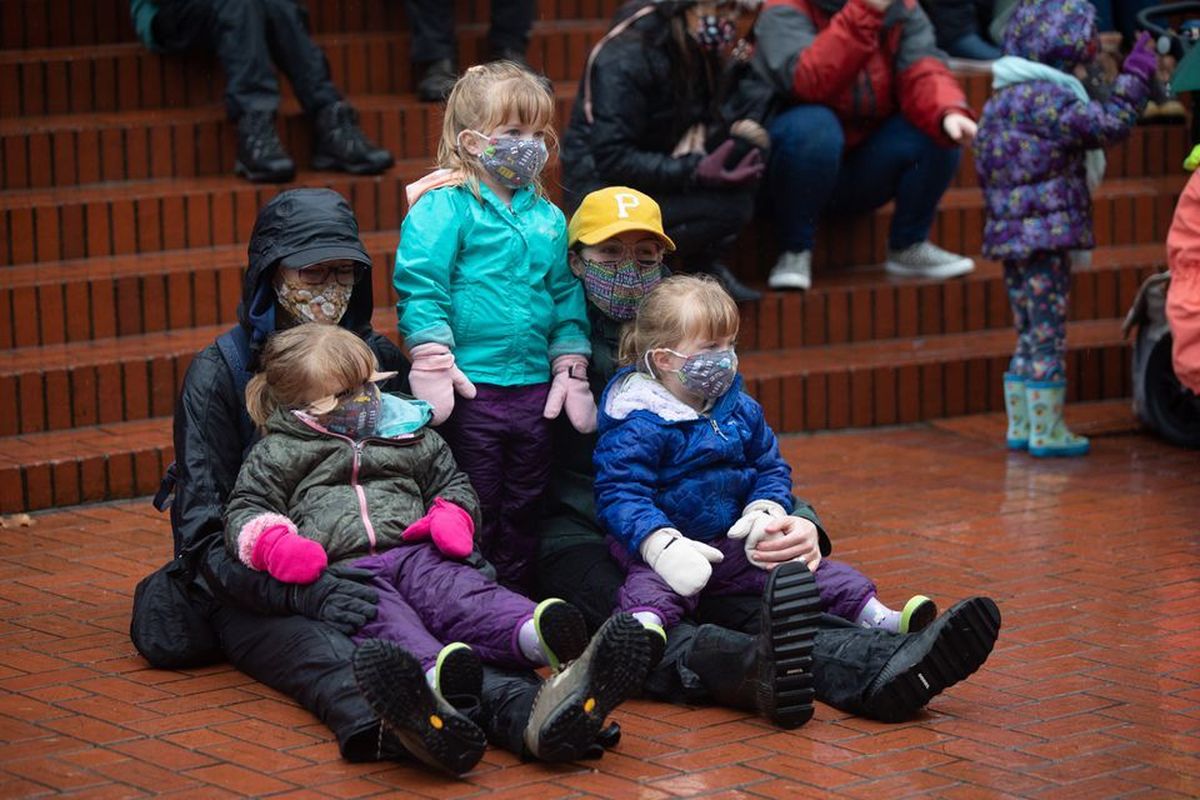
<point x="170" y="625"/>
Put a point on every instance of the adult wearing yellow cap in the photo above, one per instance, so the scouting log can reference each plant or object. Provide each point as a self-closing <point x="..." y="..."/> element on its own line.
<point x="724" y="655"/>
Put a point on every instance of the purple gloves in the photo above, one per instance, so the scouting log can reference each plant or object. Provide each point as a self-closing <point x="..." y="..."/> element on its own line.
<point x="434" y="379"/>
<point x="451" y="527"/>
<point x="571" y="389"/>
<point x="1142" y="61"/>
<point x="287" y="556"/>
<point x="711" y="170"/>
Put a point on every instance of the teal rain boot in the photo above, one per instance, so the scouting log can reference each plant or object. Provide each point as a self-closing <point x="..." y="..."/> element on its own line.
<point x="1048" y="434"/>
<point x="1017" y="437"/>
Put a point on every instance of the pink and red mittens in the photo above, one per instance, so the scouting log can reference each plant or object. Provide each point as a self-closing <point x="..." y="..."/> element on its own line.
<point x="450" y="526"/>
<point x="570" y="389"/>
<point x="287" y="556"/>
<point x="434" y="378"/>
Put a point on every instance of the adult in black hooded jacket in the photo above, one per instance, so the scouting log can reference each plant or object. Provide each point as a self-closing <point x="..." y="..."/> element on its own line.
<point x="648" y="88"/>
<point x="292" y="638"/>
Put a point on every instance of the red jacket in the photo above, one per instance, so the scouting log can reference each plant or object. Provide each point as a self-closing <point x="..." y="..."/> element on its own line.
<point x="864" y="64"/>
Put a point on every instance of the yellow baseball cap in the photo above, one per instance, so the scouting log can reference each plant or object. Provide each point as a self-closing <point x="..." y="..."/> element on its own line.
<point x="606" y="212"/>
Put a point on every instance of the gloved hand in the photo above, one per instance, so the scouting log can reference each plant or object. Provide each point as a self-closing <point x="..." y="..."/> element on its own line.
<point x="685" y="564"/>
<point x="288" y="556"/>
<point x="570" y="388"/>
<point x="1142" y="61"/>
<point x="338" y="598"/>
<point x="711" y="170"/>
<point x="451" y="527"/>
<point x="434" y="378"/>
<point x="754" y="519"/>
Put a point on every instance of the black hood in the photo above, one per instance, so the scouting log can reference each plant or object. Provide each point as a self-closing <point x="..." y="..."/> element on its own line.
<point x="304" y="226"/>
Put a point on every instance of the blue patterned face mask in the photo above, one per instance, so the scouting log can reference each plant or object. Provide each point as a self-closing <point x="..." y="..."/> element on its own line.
<point x="707" y="374"/>
<point x="515" y="163"/>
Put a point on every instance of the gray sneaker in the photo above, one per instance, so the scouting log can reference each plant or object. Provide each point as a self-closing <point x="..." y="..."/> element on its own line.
<point x="927" y="260"/>
<point x="792" y="271"/>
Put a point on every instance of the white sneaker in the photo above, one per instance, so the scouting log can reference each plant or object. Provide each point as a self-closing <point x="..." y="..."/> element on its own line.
<point x="927" y="260"/>
<point x="792" y="271"/>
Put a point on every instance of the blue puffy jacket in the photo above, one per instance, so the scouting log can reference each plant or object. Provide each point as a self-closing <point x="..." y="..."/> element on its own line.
<point x="660" y="464"/>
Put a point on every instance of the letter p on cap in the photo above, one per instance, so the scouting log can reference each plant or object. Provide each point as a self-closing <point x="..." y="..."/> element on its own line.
<point x="624" y="203"/>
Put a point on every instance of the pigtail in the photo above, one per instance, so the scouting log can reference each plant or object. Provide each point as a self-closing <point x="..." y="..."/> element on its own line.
<point x="260" y="401"/>
<point x="627" y="347"/>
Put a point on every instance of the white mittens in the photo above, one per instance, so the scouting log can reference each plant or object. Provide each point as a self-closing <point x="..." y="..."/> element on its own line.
<point x="752" y="526"/>
<point x="685" y="564"/>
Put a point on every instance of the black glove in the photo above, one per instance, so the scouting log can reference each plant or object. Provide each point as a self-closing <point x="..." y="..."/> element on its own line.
<point x="338" y="598"/>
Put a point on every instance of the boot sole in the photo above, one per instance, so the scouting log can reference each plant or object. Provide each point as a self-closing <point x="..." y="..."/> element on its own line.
<point x="963" y="638"/>
<point x="459" y="675"/>
<point x="562" y="630"/>
<point x="330" y="164"/>
<point x="791" y="611"/>
<point x="1060" y="452"/>
<point x="393" y="684"/>
<point x="613" y="668"/>
<point x="243" y="171"/>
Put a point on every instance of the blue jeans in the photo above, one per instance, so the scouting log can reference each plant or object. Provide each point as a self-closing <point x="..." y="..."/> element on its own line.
<point x="810" y="171"/>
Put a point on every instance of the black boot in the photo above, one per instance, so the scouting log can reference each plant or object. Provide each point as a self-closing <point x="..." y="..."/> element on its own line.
<point x="510" y="54"/>
<point x="740" y="292"/>
<point x="437" y="80"/>
<point x="949" y="650"/>
<point x="770" y="673"/>
<point x="260" y="154"/>
<point x="341" y="145"/>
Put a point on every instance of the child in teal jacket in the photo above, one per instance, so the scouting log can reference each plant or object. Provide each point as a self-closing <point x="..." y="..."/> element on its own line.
<point x="488" y="306"/>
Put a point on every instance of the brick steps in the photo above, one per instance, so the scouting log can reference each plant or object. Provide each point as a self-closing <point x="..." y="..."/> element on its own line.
<point x="809" y="389"/>
<point x="125" y="77"/>
<point x="101" y="298"/>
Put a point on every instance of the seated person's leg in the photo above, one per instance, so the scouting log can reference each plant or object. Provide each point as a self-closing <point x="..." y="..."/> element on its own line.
<point x="511" y="23"/>
<point x="704" y="225"/>
<point x="974" y="47"/>
<point x="433" y="47"/>
<point x="806" y="154"/>
<point x="339" y="142"/>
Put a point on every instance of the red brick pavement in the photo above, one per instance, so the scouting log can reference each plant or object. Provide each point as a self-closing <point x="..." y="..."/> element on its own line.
<point x="1093" y="691"/>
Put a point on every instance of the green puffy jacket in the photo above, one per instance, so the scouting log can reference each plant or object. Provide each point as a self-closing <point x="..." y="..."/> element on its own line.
<point x="354" y="498"/>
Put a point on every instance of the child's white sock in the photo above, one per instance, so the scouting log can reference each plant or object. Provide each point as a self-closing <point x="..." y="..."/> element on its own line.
<point x="648" y="619"/>
<point x="431" y="676"/>
<point x="530" y="644"/>
<point x="876" y="615"/>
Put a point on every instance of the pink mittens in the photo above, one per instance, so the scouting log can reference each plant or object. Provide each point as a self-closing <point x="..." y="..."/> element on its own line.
<point x="434" y="378"/>
<point x="451" y="527"/>
<point x="570" y="388"/>
<point x="288" y="556"/>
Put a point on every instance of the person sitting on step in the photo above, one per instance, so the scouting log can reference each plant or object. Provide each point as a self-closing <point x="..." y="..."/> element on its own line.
<point x="247" y="35"/>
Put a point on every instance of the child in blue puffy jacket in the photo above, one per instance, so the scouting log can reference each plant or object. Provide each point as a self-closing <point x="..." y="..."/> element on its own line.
<point x="689" y="478"/>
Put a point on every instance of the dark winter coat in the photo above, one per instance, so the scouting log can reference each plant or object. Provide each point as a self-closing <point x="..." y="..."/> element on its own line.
<point x="954" y="19"/>
<point x="865" y="65"/>
<point x="1033" y="136"/>
<point x="352" y="497"/>
<point x="666" y="468"/>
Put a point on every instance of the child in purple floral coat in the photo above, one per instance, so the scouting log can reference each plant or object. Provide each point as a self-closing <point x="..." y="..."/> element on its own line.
<point x="1038" y="156"/>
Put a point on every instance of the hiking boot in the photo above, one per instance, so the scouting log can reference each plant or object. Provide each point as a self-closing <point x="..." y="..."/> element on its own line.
<point x="740" y="292"/>
<point x="260" y="154"/>
<point x="510" y="54"/>
<point x="437" y="80"/>
<point x="561" y="631"/>
<point x="393" y="684"/>
<point x="917" y="615"/>
<point x="792" y="271"/>
<point x="570" y="708"/>
<point x="927" y="260"/>
<point x="929" y="662"/>
<point x="341" y="145"/>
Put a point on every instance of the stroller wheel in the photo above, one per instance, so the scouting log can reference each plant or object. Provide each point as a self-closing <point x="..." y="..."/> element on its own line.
<point x="1171" y="408"/>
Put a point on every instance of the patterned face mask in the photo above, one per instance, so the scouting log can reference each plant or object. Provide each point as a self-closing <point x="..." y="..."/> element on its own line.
<point x="617" y="288"/>
<point x="706" y="374"/>
<point x="304" y="302"/>
<point x="715" y="32"/>
<point x="515" y="163"/>
<point x="355" y="413"/>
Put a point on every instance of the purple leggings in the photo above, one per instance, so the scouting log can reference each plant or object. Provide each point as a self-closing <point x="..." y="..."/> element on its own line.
<point x="844" y="590"/>
<point x="502" y="441"/>
<point x="427" y="600"/>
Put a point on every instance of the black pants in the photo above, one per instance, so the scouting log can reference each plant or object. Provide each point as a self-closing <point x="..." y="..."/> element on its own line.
<point x="846" y="658"/>
<point x="432" y="24"/>
<point x="248" y="37"/>
<point x="705" y="223"/>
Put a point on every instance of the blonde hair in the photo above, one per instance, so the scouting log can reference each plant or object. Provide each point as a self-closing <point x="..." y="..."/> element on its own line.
<point x="299" y="364"/>
<point x="681" y="307"/>
<point x="486" y="96"/>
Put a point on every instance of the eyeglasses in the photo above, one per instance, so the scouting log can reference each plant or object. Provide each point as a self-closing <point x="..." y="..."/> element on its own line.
<point x="318" y="274"/>
<point x="648" y="252"/>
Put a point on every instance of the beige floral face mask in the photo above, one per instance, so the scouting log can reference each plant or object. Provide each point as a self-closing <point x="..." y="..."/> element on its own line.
<point x="325" y="302"/>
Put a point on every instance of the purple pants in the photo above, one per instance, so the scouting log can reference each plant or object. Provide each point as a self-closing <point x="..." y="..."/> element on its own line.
<point x="503" y="443"/>
<point x="844" y="590"/>
<point x="427" y="600"/>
